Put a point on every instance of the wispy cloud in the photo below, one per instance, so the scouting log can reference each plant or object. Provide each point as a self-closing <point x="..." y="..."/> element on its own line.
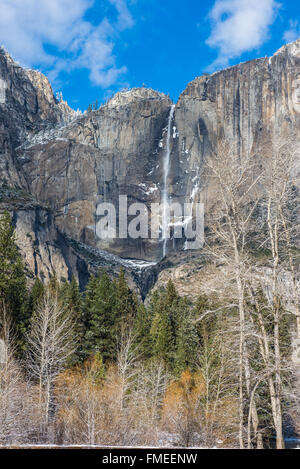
<point x="293" y="32"/>
<point x="30" y="29"/>
<point x="239" y="26"/>
<point x="124" y="17"/>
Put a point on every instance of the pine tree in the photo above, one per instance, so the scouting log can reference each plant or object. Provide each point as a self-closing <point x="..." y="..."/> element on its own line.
<point x="173" y="332"/>
<point x="13" y="290"/>
<point x="187" y="344"/>
<point x="161" y="330"/>
<point x="162" y="340"/>
<point x="141" y="330"/>
<point x="126" y="303"/>
<point x="53" y="285"/>
<point x="88" y="300"/>
<point x="88" y="303"/>
<point x="99" y="312"/>
<point x="36" y="294"/>
<point x="171" y="301"/>
<point x="172" y="296"/>
<point x="71" y="299"/>
<point x="202" y="304"/>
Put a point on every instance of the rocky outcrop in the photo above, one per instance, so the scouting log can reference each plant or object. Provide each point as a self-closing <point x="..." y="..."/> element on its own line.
<point x="27" y="104"/>
<point x="71" y="163"/>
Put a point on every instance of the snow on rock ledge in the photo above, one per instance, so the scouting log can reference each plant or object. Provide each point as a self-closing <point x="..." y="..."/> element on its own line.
<point x="126" y="97"/>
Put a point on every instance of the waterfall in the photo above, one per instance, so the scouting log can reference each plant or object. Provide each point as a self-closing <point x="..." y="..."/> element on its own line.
<point x="165" y="193"/>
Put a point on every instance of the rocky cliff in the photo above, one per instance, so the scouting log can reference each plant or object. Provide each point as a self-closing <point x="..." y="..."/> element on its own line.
<point x="56" y="165"/>
<point x="249" y="104"/>
<point x="95" y="158"/>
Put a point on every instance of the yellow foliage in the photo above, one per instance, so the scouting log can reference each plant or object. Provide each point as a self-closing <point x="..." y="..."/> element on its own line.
<point x="89" y="403"/>
<point x="183" y="399"/>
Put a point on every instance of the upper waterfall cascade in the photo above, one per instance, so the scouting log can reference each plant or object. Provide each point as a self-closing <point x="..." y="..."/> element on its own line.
<point x="165" y="193"/>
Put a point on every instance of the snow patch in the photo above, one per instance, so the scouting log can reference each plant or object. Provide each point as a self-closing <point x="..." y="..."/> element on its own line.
<point x="148" y="190"/>
<point x="3" y="86"/>
<point x="137" y="264"/>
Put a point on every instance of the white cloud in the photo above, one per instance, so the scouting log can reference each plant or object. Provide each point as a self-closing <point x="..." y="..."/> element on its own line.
<point x="239" y="26"/>
<point x="30" y="28"/>
<point x="124" y="17"/>
<point x="293" y="33"/>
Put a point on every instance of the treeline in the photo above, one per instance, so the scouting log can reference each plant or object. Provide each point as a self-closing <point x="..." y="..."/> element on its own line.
<point x="106" y="309"/>
<point x="99" y="366"/>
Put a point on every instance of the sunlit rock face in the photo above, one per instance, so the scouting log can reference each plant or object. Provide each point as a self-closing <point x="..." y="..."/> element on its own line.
<point x="27" y="104"/>
<point x="3" y="87"/>
<point x="253" y="105"/>
<point x="72" y="163"/>
<point x="296" y="93"/>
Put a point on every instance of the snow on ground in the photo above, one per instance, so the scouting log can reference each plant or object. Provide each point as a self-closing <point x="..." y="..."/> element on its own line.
<point x="16" y="446"/>
<point x="135" y="264"/>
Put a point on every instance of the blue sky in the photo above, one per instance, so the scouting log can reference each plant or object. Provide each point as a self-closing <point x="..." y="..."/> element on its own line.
<point x="90" y="49"/>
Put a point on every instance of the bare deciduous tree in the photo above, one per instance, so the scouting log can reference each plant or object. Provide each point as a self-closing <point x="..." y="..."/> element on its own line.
<point x="280" y="196"/>
<point x="18" y="414"/>
<point x="236" y="198"/>
<point x="50" y="344"/>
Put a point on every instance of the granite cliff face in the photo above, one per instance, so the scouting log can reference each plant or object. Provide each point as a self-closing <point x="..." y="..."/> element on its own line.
<point x="99" y="156"/>
<point x="250" y="104"/>
<point x="69" y="163"/>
